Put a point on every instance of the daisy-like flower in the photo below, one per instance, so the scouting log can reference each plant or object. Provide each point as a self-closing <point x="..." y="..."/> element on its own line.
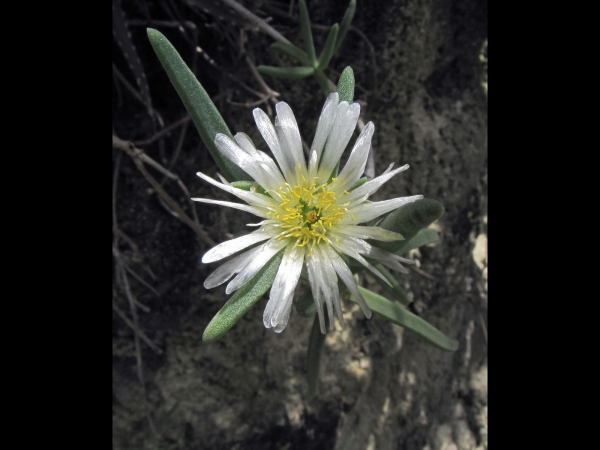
<point x="313" y="216"/>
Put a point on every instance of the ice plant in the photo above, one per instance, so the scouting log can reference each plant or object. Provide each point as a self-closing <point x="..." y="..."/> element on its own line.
<point x="308" y="210"/>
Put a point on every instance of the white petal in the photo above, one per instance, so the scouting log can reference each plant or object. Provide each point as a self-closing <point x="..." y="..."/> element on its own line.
<point x="343" y="127"/>
<point x="368" y="211"/>
<point x="313" y="278"/>
<point x="346" y="275"/>
<point x="370" y="187"/>
<point x="260" y="212"/>
<point x="357" y="160"/>
<point x="266" y="252"/>
<point x="343" y="247"/>
<point x="233" y="246"/>
<point x="326" y="120"/>
<point x="229" y="269"/>
<point x="383" y="255"/>
<point x="283" y="286"/>
<point x="327" y="281"/>
<point x="252" y="198"/>
<point x="267" y="130"/>
<point x="245" y="143"/>
<point x="290" y="134"/>
<point x="332" y="286"/>
<point x="243" y="160"/>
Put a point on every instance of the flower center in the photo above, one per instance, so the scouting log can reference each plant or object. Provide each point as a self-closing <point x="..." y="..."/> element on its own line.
<point x="309" y="212"/>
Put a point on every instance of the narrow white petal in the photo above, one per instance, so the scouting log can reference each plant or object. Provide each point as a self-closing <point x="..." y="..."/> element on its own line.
<point x="313" y="279"/>
<point x="233" y="246"/>
<point x="365" y="232"/>
<point x="368" y="211"/>
<point x="343" y="127"/>
<point x="229" y="269"/>
<point x="326" y="120"/>
<point x="267" y="130"/>
<point x="283" y="286"/>
<point x="383" y="255"/>
<point x="360" y="259"/>
<point x="327" y="281"/>
<point x="370" y="187"/>
<point x="357" y="160"/>
<point x="291" y="134"/>
<point x="266" y="252"/>
<point x="249" y="197"/>
<point x="312" y="165"/>
<point x="260" y="212"/>
<point x="243" y="160"/>
<point x="284" y="316"/>
<point x="223" y="180"/>
<point x="245" y="143"/>
<point x="332" y="286"/>
<point x="346" y="275"/>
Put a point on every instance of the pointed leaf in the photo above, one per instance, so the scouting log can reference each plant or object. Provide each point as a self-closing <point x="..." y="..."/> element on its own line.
<point x="242" y="300"/>
<point x="200" y="107"/>
<point x="345" y="87"/>
<point x="328" y="49"/>
<point x="289" y="49"/>
<point x="345" y="25"/>
<point x="287" y="72"/>
<point x="307" y="33"/>
<point x="423" y="237"/>
<point x="408" y="220"/>
<point x="395" y="290"/>
<point x="403" y="317"/>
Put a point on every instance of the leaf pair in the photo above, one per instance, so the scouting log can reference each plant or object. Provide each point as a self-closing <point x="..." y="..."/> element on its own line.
<point x="310" y="64"/>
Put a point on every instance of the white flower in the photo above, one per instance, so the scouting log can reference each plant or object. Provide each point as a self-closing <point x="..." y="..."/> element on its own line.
<point x="306" y="212"/>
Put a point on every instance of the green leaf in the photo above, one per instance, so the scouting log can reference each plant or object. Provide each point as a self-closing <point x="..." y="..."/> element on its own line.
<point x="423" y="237"/>
<point x="200" y="107"/>
<point x="345" y="26"/>
<point x="306" y="305"/>
<point x="287" y="72"/>
<point x="395" y="290"/>
<point x="328" y="49"/>
<point x="345" y="85"/>
<point x="293" y="51"/>
<point x="324" y="83"/>
<point x="245" y="185"/>
<point x="307" y="33"/>
<point x="408" y="220"/>
<point x="242" y="300"/>
<point x="316" y="342"/>
<point x="358" y="184"/>
<point x="401" y="316"/>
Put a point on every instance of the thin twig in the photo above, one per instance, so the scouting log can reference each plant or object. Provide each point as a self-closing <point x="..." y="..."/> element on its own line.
<point x="255" y="20"/>
<point x="422" y="272"/>
<point x="144" y="337"/>
<point x="162" y="132"/>
<point x="136" y="154"/>
<point x="138" y="350"/>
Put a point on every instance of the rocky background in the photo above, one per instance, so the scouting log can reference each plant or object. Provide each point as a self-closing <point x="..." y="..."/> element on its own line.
<point x="421" y="74"/>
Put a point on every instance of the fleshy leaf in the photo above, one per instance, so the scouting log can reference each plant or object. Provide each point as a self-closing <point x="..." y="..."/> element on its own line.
<point x="316" y="342"/>
<point x="242" y="300"/>
<point x="345" y="25"/>
<point x="401" y="316"/>
<point x="200" y="107"/>
<point x="345" y="87"/>
<point x="307" y="33"/>
<point x="423" y="237"/>
<point x="408" y="220"/>
<point x="245" y="185"/>
<point x="287" y="72"/>
<point x="289" y="49"/>
<point x="395" y="290"/>
<point x="328" y="49"/>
